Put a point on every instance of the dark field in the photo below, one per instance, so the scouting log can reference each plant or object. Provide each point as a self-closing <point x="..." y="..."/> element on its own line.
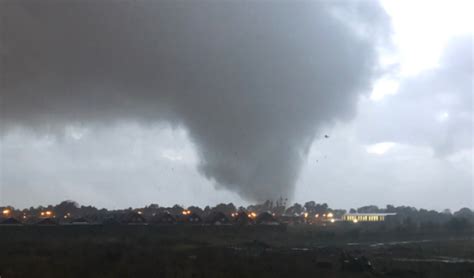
<point x="230" y="251"/>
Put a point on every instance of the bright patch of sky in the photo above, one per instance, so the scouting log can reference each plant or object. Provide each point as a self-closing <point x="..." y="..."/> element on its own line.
<point x="421" y="30"/>
<point x="384" y="87"/>
<point x="380" y="148"/>
<point x="443" y="117"/>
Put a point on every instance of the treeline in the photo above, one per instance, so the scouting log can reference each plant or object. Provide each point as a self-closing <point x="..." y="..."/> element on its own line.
<point x="408" y="218"/>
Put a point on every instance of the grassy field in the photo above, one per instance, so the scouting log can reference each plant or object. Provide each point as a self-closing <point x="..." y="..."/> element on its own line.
<point x="230" y="251"/>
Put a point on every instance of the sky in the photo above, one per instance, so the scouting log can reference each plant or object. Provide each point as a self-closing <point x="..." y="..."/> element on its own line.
<point x="348" y="103"/>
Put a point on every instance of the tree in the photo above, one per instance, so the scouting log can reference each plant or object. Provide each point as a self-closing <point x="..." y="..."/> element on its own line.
<point x="226" y="209"/>
<point x="65" y="208"/>
<point x="447" y="211"/>
<point x="310" y="206"/>
<point x="368" y="209"/>
<point x="457" y="224"/>
<point x="295" y="209"/>
<point x="196" y="210"/>
<point x="464" y="213"/>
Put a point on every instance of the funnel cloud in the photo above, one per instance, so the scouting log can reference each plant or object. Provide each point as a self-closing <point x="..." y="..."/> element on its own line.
<point x="252" y="82"/>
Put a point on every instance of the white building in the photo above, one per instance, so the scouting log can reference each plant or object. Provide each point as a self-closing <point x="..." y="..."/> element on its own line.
<point x="366" y="217"/>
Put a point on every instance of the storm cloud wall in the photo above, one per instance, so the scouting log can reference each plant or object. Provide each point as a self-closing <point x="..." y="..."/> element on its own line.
<point x="252" y="82"/>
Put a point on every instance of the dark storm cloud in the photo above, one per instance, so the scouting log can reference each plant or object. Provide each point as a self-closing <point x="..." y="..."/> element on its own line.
<point x="251" y="81"/>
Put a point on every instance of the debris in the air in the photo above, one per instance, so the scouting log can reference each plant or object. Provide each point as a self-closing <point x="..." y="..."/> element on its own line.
<point x="326" y="136"/>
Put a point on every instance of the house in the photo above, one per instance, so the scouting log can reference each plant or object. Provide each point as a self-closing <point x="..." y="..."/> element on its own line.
<point x="193" y="218"/>
<point x="164" y="218"/>
<point x="133" y="218"/>
<point x="366" y="217"/>
<point x="11" y="221"/>
<point x="47" y="222"/>
<point x="217" y="218"/>
<point x="265" y="218"/>
<point x="79" y="221"/>
<point x="242" y="218"/>
<point x="291" y="219"/>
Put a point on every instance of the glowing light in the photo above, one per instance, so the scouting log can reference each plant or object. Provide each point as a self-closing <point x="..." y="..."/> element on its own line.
<point x="305" y="215"/>
<point x="317" y="215"/>
<point x="140" y="212"/>
<point x="49" y="213"/>
<point x="330" y="215"/>
<point x="332" y="220"/>
<point x="355" y="220"/>
<point x="42" y="213"/>
<point x="6" y="211"/>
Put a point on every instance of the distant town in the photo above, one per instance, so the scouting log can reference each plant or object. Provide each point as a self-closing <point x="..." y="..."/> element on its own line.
<point x="267" y="213"/>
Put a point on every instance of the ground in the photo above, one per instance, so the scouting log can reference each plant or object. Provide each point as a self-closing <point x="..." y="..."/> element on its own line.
<point x="230" y="251"/>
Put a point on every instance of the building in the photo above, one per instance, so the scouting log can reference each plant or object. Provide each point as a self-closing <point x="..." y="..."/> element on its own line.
<point x="265" y="218"/>
<point x="79" y="221"/>
<point x="217" y="218"/>
<point x="366" y="217"/>
<point x="47" y="222"/>
<point x="242" y="218"/>
<point x="189" y="217"/>
<point x="133" y="218"/>
<point x="11" y="221"/>
<point x="163" y="218"/>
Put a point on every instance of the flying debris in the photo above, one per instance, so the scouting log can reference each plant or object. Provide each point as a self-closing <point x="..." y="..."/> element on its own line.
<point x="326" y="136"/>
